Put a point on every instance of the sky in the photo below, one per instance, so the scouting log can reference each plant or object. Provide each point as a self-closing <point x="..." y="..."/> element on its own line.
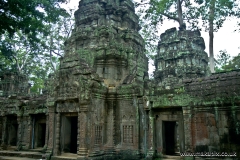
<point x="224" y="39"/>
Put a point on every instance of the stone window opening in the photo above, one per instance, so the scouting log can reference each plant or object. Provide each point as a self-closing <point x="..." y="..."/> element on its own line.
<point x="98" y="134"/>
<point x="105" y="72"/>
<point x="119" y="73"/>
<point x="128" y="134"/>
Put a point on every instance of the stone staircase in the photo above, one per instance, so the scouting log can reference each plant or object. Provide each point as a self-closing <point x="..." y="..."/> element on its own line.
<point x="20" y="155"/>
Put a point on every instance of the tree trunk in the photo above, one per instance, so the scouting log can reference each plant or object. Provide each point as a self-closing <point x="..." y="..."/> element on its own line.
<point x="211" y="18"/>
<point x="179" y="12"/>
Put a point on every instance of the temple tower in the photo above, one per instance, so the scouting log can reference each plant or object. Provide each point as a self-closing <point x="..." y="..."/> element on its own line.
<point x="100" y="84"/>
<point x="180" y="55"/>
<point x="106" y="37"/>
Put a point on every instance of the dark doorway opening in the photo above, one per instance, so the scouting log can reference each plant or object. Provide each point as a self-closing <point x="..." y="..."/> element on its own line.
<point x="41" y="134"/>
<point x="169" y="140"/>
<point x="69" y="133"/>
<point x="74" y="128"/>
<point x="12" y="130"/>
<point x="38" y="130"/>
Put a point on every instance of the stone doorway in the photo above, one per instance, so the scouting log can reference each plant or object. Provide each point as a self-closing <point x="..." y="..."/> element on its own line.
<point x="12" y="130"/>
<point x="69" y="132"/>
<point x="38" y="131"/>
<point x="169" y="137"/>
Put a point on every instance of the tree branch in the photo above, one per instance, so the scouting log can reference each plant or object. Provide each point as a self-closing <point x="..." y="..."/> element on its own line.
<point x="56" y="53"/>
<point x="170" y="17"/>
<point x="141" y="4"/>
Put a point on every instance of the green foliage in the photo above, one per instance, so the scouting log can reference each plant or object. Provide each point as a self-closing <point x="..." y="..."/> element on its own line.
<point x="226" y="63"/>
<point x="29" y="16"/>
<point x="35" y="60"/>
<point x="221" y="11"/>
<point x="233" y="64"/>
<point x="222" y="58"/>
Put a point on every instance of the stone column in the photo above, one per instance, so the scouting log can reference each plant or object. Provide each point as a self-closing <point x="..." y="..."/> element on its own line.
<point x="47" y="130"/>
<point x="29" y="132"/>
<point x="4" y="133"/>
<point x="51" y="115"/>
<point x="187" y="129"/>
<point x="151" y="146"/>
<point x="25" y="132"/>
<point x="110" y="127"/>
<point x="19" y="132"/>
<point x="56" y="149"/>
<point x="82" y="128"/>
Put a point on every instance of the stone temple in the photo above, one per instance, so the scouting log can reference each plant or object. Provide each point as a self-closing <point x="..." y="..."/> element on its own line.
<point x="101" y="104"/>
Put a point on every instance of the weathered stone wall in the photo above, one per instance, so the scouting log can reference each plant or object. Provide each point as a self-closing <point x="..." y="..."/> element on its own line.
<point x="218" y="88"/>
<point x="13" y="84"/>
<point x="210" y="111"/>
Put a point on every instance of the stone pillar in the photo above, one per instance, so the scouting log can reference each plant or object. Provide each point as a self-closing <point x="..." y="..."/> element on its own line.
<point x="110" y="126"/>
<point x="151" y="146"/>
<point x="187" y="129"/>
<point x="82" y="130"/>
<point x="29" y="132"/>
<point x="47" y="131"/>
<point x="56" y="149"/>
<point x="19" y="132"/>
<point x="51" y="115"/>
<point x="25" y="132"/>
<point x="4" y="133"/>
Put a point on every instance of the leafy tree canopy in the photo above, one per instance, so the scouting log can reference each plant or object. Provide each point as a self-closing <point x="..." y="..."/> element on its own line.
<point x="30" y="17"/>
<point x="35" y="60"/>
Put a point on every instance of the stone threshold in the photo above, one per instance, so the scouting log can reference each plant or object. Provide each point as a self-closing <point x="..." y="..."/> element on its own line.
<point x="65" y="156"/>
